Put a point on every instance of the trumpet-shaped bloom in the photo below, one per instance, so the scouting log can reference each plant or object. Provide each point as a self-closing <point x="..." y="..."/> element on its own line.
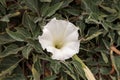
<point x="60" y="37"/>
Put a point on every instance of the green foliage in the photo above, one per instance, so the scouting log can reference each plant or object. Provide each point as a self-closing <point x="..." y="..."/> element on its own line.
<point x="22" y="21"/>
<point x="50" y="9"/>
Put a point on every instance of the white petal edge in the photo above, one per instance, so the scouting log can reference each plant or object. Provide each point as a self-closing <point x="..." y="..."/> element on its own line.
<point x="45" y="39"/>
<point x="66" y="52"/>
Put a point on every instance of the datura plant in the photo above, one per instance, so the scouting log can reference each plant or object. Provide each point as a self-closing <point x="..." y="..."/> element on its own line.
<point x="59" y="39"/>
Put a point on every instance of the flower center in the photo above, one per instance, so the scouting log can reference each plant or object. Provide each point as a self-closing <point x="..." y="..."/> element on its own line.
<point x="58" y="44"/>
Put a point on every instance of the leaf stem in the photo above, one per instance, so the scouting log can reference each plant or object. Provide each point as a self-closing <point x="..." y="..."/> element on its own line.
<point x="75" y="57"/>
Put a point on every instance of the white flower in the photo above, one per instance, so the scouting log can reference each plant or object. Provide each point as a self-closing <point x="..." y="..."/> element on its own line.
<point x="60" y="37"/>
<point x="88" y="73"/>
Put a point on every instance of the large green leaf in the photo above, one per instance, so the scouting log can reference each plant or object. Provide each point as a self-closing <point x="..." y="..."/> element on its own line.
<point x="26" y="51"/>
<point x="16" y="75"/>
<point x="28" y="22"/>
<point x="33" y="5"/>
<point x="5" y="38"/>
<point x="106" y="25"/>
<point x="73" y="11"/>
<point x="55" y="65"/>
<point x="104" y="56"/>
<point x="91" y="5"/>
<point x="69" y="70"/>
<point x="20" y="35"/>
<point x="79" y="69"/>
<point x="7" y="65"/>
<point x="82" y="26"/>
<point x="36" y="45"/>
<point x="71" y="75"/>
<point x="51" y="9"/>
<point x="9" y="50"/>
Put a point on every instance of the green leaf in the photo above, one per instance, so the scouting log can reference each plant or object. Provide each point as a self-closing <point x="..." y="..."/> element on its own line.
<point x="55" y="65"/>
<point x="106" y="43"/>
<point x="112" y="17"/>
<point x="71" y="75"/>
<point x="7" y="65"/>
<point x="15" y="35"/>
<point x="82" y="26"/>
<point x="23" y="32"/>
<point x="20" y="35"/>
<point x="104" y="56"/>
<point x="113" y="60"/>
<point x="104" y="70"/>
<point x="36" y="45"/>
<point x="33" y="5"/>
<point x="106" y="25"/>
<point x="111" y="35"/>
<point x="45" y="0"/>
<point x="5" y="38"/>
<point x="93" y="17"/>
<point x="68" y="66"/>
<point x="26" y="51"/>
<point x="92" y="5"/>
<point x="74" y="70"/>
<point x="66" y="3"/>
<point x="79" y="69"/>
<point x="73" y="11"/>
<point x="44" y="9"/>
<point x="52" y="9"/>
<point x="37" y="32"/>
<point x="91" y="31"/>
<point x="7" y="17"/>
<point x="28" y="23"/>
<point x="108" y="9"/>
<point x="16" y="75"/>
<point x="11" y="49"/>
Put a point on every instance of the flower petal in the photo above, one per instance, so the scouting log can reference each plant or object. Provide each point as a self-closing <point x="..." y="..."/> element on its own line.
<point x="46" y="39"/>
<point x="56" y="27"/>
<point x="66" y="52"/>
<point x="71" y="33"/>
<point x="73" y="46"/>
<point x="63" y="54"/>
<point x="62" y="34"/>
